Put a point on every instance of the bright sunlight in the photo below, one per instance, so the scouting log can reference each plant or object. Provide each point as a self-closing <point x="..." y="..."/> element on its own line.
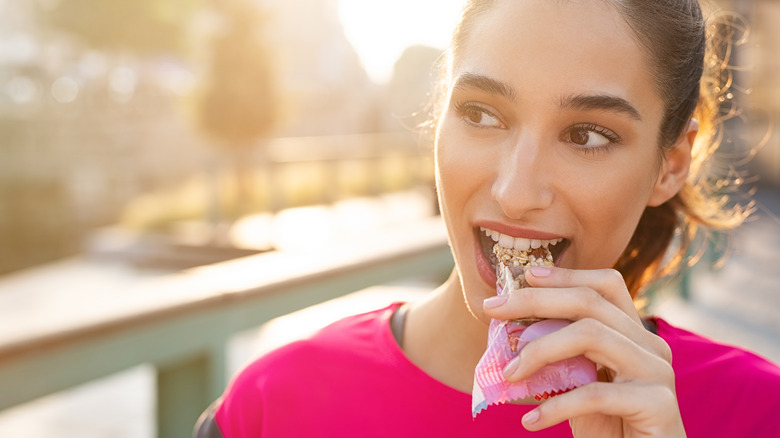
<point x="380" y="30"/>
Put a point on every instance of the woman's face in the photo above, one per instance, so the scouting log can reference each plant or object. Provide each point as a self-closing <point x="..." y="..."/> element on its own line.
<point x="549" y="132"/>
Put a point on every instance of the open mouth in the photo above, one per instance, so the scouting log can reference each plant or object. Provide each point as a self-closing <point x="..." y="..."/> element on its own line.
<point x="488" y="238"/>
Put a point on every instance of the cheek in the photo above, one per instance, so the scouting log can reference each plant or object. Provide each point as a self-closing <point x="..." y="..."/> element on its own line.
<point x="609" y="210"/>
<point x="459" y="167"/>
<point x="461" y="176"/>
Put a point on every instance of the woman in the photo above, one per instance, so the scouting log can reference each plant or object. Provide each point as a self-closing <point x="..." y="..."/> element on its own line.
<point x="570" y="124"/>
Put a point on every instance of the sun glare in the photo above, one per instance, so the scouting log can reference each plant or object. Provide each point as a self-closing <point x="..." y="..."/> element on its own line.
<point x="380" y="30"/>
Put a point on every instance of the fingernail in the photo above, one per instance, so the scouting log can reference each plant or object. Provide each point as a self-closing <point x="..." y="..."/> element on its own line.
<point x="496" y="301"/>
<point x="512" y="367"/>
<point x="531" y="417"/>
<point x="540" y="271"/>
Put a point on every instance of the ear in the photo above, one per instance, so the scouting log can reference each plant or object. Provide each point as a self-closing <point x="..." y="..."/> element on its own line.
<point x="674" y="168"/>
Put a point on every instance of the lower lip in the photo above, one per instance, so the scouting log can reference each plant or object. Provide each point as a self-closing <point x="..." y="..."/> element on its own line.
<point x="485" y="269"/>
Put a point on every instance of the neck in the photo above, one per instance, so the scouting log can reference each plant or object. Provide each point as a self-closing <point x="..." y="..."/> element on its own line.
<point x="444" y="338"/>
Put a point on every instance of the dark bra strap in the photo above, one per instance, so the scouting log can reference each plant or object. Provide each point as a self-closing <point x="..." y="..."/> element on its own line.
<point x="650" y="325"/>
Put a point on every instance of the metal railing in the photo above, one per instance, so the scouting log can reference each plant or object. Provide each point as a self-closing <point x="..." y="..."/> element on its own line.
<point x="182" y="323"/>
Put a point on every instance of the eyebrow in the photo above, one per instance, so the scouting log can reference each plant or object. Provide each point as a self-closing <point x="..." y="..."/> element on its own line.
<point x="486" y="84"/>
<point x="604" y="102"/>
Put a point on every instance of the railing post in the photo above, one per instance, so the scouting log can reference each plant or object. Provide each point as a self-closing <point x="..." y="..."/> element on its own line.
<point x="185" y="389"/>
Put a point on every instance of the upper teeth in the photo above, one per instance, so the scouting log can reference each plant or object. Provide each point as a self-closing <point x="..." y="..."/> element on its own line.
<point x="518" y="243"/>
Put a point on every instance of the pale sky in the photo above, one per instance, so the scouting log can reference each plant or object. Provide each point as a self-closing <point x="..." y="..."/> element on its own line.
<point x="381" y="29"/>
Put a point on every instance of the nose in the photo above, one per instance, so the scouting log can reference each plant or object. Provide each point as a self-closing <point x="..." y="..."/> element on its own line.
<point x="523" y="179"/>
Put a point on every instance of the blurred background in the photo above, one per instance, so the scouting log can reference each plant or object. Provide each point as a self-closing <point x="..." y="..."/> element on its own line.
<point x="142" y="137"/>
<point x="180" y="117"/>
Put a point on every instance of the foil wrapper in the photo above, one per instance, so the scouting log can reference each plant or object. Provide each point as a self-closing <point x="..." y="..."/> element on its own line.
<point x="506" y="339"/>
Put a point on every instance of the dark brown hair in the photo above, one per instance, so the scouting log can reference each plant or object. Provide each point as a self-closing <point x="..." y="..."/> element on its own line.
<point x="688" y="56"/>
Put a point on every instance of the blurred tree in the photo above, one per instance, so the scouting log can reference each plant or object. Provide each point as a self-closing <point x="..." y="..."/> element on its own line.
<point x="132" y="26"/>
<point x="238" y="105"/>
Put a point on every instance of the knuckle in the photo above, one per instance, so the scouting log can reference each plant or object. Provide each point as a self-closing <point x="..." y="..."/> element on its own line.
<point x="513" y="295"/>
<point x="664" y="351"/>
<point x="669" y="394"/>
<point x="527" y="351"/>
<point x="664" y="395"/>
<point x="532" y="353"/>
<point x="598" y="393"/>
<point x="583" y="302"/>
<point x="535" y="302"/>
<point x="591" y="298"/>
<point x="660" y="348"/>
<point x="616" y="276"/>
<point x="568" y="275"/>
<point x="527" y="298"/>
<point x="666" y="373"/>
<point x="613" y="279"/>
<point x="590" y="328"/>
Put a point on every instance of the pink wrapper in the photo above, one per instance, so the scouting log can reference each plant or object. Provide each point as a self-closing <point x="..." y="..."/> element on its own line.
<point x="505" y="340"/>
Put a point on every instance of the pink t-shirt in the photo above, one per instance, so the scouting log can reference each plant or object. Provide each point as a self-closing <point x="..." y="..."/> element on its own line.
<point x="352" y="380"/>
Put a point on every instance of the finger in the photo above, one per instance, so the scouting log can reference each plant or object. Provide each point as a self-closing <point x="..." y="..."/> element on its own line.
<point x="627" y="360"/>
<point x="578" y="294"/>
<point x="608" y="283"/>
<point x="573" y="303"/>
<point x="567" y="303"/>
<point x="644" y="408"/>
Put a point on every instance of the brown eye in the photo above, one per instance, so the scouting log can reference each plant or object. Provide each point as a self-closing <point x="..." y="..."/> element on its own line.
<point x="589" y="136"/>
<point x="474" y="115"/>
<point x="579" y="136"/>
